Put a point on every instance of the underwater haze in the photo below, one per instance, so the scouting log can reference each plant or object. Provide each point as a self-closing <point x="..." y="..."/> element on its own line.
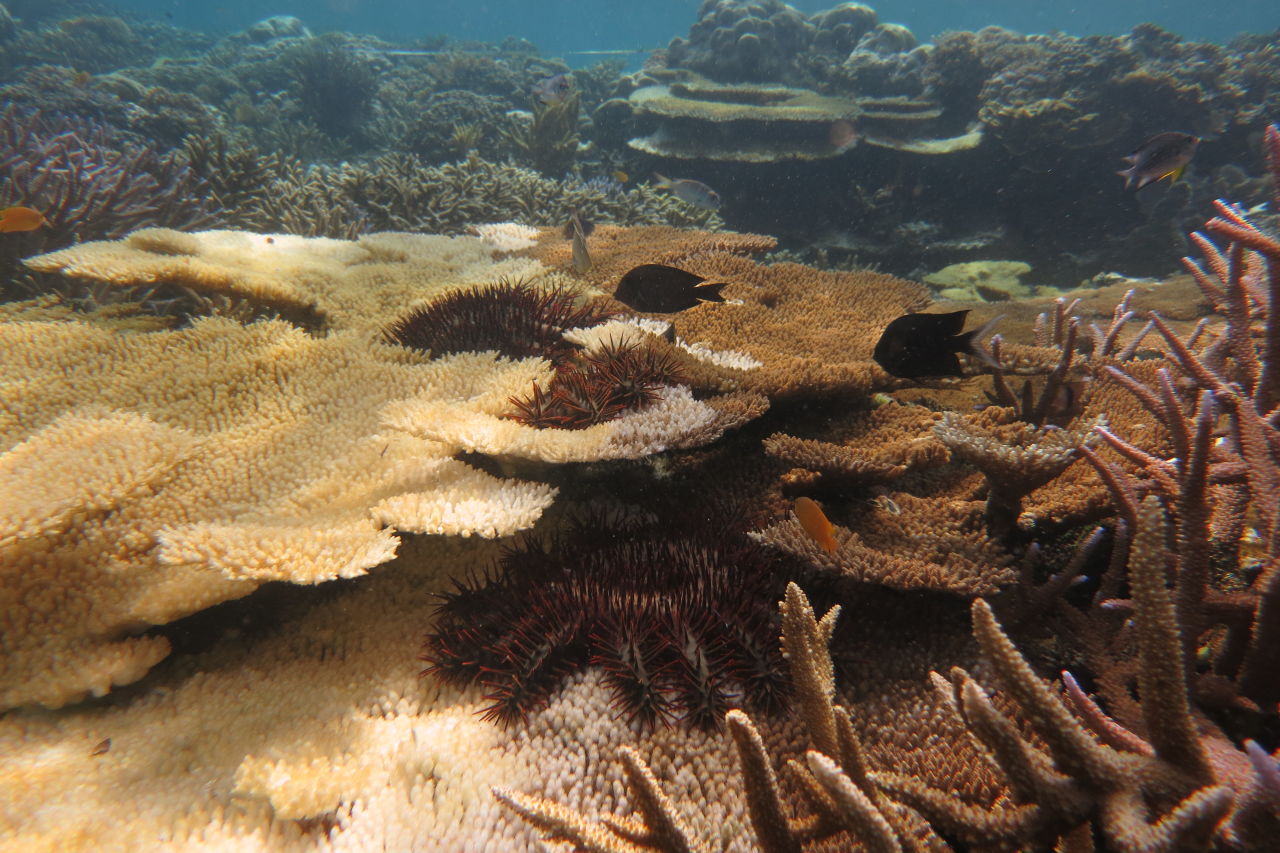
<point x="559" y="26"/>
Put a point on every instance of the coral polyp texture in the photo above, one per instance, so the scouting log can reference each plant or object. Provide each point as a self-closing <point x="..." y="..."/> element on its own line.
<point x="150" y="476"/>
<point x="678" y="616"/>
<point x="337" y="284"/>
<point x="807" y="332"/>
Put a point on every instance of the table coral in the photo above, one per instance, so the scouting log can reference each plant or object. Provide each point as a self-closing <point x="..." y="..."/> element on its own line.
<point x="285" y="740"/>
<point x="810" y="331"/>
<point x="338" y="284"/>
<point x="261" y="455"/>
<point x="697" y="119"/>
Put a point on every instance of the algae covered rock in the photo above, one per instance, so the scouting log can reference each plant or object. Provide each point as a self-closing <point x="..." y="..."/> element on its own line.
<point x="981" y="281"/>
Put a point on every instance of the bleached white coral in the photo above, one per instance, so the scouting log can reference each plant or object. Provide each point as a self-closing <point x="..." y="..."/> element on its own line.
<point x="675" y="420"/>
<point x="506" y="236"/>
<point x="628" y="330"/>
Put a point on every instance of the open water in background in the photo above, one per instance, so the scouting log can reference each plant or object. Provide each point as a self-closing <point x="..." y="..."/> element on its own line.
<point x="560" y="26"/>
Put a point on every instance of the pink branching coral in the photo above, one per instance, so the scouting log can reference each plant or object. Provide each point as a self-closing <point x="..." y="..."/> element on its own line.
<point x="1220" y="404"/>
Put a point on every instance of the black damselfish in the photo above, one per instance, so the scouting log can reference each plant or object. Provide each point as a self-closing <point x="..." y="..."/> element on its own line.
<point x="918" y="345"/>
<point x="660" y="289"/>
<point x="1164" y="155"/>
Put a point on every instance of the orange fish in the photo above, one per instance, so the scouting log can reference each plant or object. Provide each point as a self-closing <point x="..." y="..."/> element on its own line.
<point x="621" y="176"/>
<point x="815" y="523"/>
<point x="21" y="219"/>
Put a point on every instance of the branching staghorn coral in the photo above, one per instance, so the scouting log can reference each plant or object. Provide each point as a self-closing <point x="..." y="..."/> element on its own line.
<point x="549" y="140"/>
<point x="399" y="192"/>
<point x="90" y="182"/>
<point x="837" y="798"/>
<point x="1181" y="787"/>
<point x="1220" y="489"/>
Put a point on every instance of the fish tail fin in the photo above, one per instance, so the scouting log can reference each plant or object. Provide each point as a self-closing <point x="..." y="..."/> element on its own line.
<point x="663" y="182"/>
<point x="710" y="292"/>
<point x="973" y="343"/>
<point x="1128" y="175"/>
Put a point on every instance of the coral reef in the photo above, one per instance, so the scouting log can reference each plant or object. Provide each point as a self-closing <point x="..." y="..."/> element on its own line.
<point x="1157" y="769"/>
<point x="240" y="530"/>
<point x="335" y="87"/>
<point x="453" y="122"/>
<point x="262" y="456"/>
<point x="400" y="193"/>
<point x="982" y="281"/>
<point x="335" y="284"/>
<point x="674" y="613"/>
<point x="548" y="141"/>
<point x="803" y="332"/>
<point x="701" y="120"/>
<point x="90" y="183"/>
<point x="738" y="41"/>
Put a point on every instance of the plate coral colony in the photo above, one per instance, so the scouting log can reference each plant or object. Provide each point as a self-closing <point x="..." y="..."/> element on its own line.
<point x="392" y="457"/>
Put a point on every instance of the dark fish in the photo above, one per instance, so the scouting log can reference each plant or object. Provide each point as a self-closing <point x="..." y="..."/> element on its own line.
<point x="1164" y="155"/>
<point x="577" y="231"/>
<point x="553" y="89"/>
<point x="918" y="345"/>
<point x="660" y="289"/>
<point x="689" y="191"/>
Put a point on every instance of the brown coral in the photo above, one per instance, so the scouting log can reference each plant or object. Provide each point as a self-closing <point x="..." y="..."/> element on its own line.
<point x="812" y="331"/>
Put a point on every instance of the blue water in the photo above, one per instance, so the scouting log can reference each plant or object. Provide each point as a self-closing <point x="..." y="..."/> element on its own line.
<point x="561" y="26"/>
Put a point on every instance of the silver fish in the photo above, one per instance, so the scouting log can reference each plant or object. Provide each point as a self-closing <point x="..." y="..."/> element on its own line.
<point x="553" y="89"/>
<point x="689" y="191"/>
<point x="578" y="234"/>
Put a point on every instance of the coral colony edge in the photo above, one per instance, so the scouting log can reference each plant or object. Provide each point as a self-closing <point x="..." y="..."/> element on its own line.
<point x="805" y="442"/>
